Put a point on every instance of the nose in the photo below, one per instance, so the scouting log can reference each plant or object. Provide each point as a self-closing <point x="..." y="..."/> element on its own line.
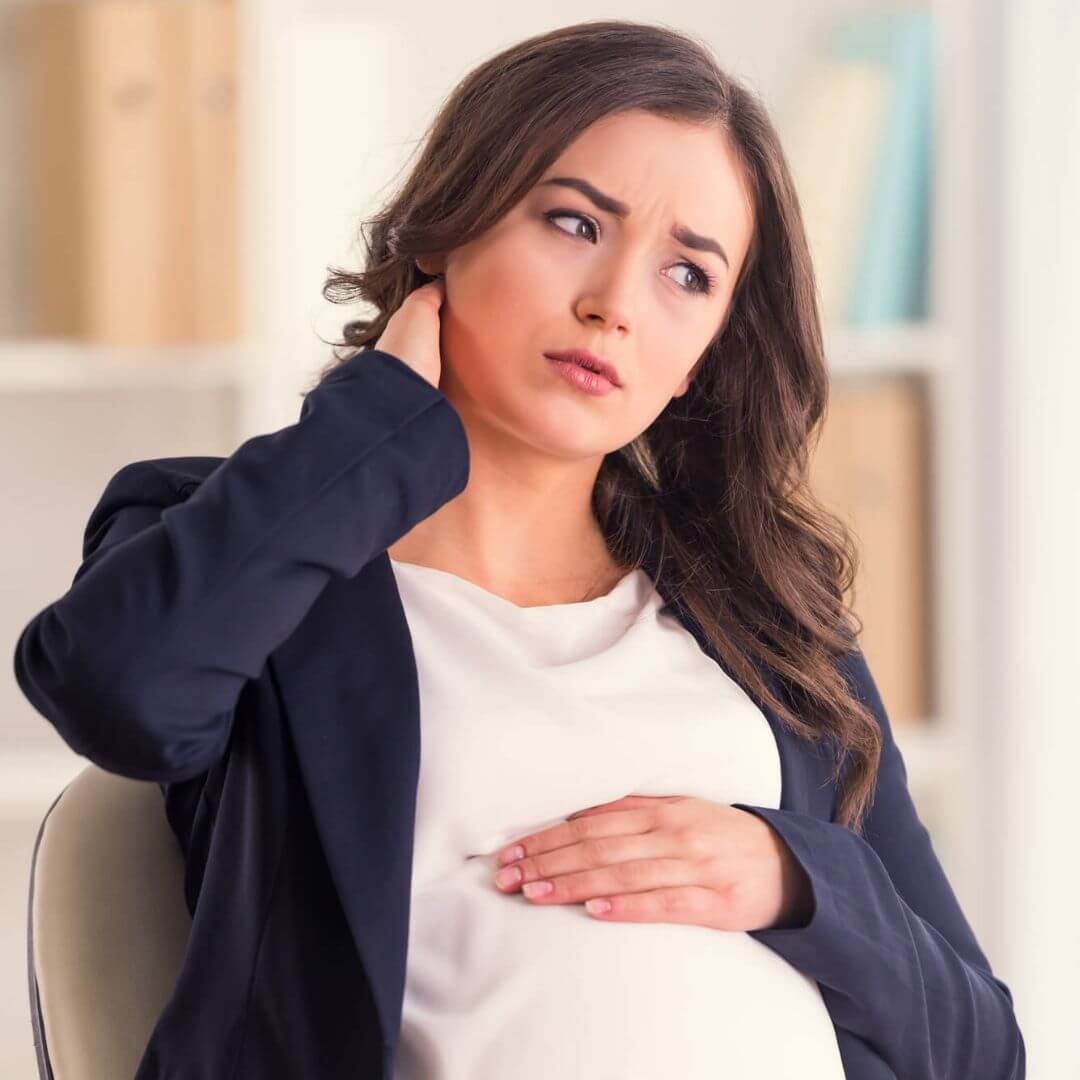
<point x="608" y="300"/>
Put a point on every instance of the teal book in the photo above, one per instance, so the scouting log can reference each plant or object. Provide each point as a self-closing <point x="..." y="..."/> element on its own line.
<point x="890" y="272"/>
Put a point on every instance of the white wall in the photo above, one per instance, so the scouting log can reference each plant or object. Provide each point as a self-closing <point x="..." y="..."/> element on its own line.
<point x="1032" y="547"/>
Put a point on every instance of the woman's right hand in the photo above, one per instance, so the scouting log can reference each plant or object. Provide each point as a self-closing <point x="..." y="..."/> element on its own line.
<point x="412" y="332"/>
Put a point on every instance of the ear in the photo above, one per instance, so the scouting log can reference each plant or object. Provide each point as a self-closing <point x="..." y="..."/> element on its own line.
<point x="431" y="266"/>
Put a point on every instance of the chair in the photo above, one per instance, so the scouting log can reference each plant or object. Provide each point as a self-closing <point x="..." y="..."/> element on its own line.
<point x="107" y="926"/>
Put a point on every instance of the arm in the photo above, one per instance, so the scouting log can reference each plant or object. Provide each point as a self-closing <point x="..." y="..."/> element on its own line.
<point x="898" y="965"/>
<point x="140" y="663"/>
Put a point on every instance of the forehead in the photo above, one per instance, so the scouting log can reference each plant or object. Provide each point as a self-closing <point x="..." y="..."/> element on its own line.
<point x="657" y="166"/>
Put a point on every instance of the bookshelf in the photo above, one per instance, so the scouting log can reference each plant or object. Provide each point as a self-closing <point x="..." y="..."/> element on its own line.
<point x="308" y="74"/>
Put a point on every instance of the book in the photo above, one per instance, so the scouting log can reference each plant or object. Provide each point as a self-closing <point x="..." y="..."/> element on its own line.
<point x="890" y="274"/>
<point x="869" y="468"/>
<point x="214" y="109"/>
<point x="132" y="169"/>
<point x="856" y="126"/>
<point x="831" y="134"/>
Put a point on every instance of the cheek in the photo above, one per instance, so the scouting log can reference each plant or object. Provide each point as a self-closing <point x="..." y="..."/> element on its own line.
<point x="510" y="280"/>
<point x="534" y="294"/>
<point x="498" y="313"/>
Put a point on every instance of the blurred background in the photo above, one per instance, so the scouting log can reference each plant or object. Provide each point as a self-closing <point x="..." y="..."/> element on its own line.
<point x="179" y="173"/>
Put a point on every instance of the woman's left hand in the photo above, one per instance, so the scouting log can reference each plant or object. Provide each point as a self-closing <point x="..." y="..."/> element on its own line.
<point x="669" y="859"/>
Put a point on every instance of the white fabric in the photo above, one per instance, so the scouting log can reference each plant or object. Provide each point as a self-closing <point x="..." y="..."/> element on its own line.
<point x="531" y="713"/>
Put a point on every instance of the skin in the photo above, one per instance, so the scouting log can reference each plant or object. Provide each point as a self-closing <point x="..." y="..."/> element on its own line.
<point x="670" y="858"/>
<point x="523" y="527"/>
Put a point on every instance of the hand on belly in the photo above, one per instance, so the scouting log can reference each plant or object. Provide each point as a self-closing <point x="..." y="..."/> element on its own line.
<point x="669" y="859"/>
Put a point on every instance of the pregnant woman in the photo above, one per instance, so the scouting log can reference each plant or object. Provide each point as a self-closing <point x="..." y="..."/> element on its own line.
<point x="506" y="706"/>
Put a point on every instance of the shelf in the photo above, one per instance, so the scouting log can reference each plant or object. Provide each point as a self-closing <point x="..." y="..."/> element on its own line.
<point x="38" y="364"/>
<point x="41" y="364"/>
<point x="929" y="751"/>
<point x="886" y="350"/>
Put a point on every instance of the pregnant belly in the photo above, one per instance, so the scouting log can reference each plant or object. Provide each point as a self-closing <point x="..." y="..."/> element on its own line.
<point x="497" y="986"/>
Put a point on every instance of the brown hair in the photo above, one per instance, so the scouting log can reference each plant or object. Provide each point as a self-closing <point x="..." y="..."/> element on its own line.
<point x="720" y="476"/>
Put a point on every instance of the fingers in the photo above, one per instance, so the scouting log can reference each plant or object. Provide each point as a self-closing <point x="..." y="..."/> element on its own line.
<point x="431" y="292"/>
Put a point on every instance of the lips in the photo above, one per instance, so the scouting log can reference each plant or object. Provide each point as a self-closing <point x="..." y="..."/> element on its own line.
<point x="589" y="361"/>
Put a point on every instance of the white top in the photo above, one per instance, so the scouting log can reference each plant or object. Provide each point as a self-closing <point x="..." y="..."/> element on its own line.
<point x="527" y="715"/>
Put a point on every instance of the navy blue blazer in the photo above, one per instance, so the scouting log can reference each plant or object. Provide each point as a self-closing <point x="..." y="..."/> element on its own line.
<point x="234" y="633"/>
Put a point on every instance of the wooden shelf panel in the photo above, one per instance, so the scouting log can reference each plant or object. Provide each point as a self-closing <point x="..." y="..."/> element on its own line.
<point x="61" y="365"/>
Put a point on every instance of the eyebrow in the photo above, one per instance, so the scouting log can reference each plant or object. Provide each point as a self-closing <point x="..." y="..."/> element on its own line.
<point x="611" y="205"/>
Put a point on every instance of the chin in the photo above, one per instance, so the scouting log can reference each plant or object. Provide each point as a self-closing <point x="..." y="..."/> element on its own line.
<point x="564" y="433"/>
<point x="541" y="413"/>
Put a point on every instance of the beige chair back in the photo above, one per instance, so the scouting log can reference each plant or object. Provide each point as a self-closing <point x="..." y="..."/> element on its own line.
<point x="107" y="926"/>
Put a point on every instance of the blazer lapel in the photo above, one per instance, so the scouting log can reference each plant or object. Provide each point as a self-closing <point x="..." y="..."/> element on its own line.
<point x="348" y="680"/>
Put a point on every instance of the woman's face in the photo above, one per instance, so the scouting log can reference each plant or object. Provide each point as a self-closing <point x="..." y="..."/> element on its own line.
<point x="559" y="271"/>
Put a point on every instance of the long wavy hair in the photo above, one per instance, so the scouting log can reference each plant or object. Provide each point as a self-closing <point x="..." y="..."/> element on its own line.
<point x="720" y="477"/>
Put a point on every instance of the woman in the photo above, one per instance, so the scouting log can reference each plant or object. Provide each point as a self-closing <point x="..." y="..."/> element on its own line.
<point x="606" y="594"/>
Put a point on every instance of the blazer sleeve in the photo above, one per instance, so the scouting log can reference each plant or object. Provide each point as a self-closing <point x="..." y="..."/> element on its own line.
<point x="898" y="965"/>
<point x="179" y="602"/>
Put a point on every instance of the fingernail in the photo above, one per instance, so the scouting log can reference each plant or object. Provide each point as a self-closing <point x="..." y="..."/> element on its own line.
<point x="516" y="852"/>
<point x="510" y="876"/>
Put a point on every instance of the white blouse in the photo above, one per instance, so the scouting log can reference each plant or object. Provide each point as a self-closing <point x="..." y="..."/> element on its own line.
<point x="527" y="715"/>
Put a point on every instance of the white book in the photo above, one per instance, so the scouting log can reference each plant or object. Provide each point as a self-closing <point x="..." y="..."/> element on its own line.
<point x="831" y="127"/>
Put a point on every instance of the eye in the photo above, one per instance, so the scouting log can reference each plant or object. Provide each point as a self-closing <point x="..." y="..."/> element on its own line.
<point x="580" y="218"/>
<point x="706" y="282"/>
